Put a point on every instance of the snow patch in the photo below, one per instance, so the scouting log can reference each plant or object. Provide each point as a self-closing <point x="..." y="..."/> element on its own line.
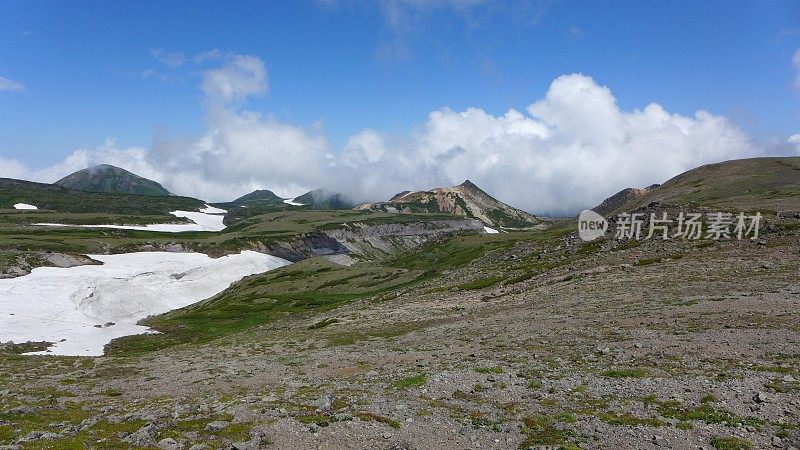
<point x="79" y="304"/>
<point x="489" y="230"/>
<point x="290" y="201"/>
<point x="212" y="210"/>
<point x="24" y="206"/>
<point x="202" y="222"/>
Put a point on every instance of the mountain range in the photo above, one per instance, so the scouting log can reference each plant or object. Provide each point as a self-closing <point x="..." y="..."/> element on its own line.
<point x="126" y="188"/>
<point x="766" y="184"/>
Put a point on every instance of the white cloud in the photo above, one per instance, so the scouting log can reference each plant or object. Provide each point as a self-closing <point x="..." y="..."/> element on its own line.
<point x="794" y="141"/>
<point x="240" y="77"/>
<point x="565" y="152"/>
<point x="10" y="85"/>
<point x="240" y="152"/>
<point x="11" y="168"/>
<point x="170" y="59"/>
<point x="572" y="149"/>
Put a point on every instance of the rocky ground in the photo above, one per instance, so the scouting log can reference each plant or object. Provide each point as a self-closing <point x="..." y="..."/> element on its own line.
<point x="660" y="345"/>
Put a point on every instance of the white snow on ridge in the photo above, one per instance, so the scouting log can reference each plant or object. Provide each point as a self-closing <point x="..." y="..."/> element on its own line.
<point x="212" y="210"/>
<point x="202" y="222"/>
<point x="24" y="206"/>
<point x="53" y="304"/>
<point x="489" y="230"/>
<point x="290" y="201"/>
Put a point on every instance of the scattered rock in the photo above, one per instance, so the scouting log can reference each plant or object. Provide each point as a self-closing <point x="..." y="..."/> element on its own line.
<point x="144" y="437"/>
<point x="761" y="397"/>
<point x="39" y="436"/>
<point x="326" y="403"/>
<point x="168" y="444"/>
<point x="217" y="426"/>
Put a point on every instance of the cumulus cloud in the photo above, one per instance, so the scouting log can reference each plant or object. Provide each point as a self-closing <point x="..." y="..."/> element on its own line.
<point x="7" y="84"/>
<point x="240" y="77"/>
<point x="566" y="151"/>
<point x="241" y="150"/>
<point x="794" y="141"/>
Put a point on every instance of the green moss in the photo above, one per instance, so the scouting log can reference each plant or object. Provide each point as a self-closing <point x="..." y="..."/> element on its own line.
<point x="540" y="430"/>
<point x="775" y="369"/>
<point x="625" y="373"/>
<point x="705" y="413"/>
<point x="323" y="323"/>
<point x="111" y="393"/>
<point x="730" y="443"/>
<point x="647" y="261"/>
<point x="368" y="416"/>
<point x="565" y="418"/>
<point x="534" y="384"/>
<point x="314" y="418"/>
<point x="710" y="398"/>
<point x="7" y="434"/>
<point x="411" y="382"/>
<point x="625" y="419"/>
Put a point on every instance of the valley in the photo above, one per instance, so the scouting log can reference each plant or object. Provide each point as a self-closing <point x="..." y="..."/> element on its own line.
<point x="421" y="329"/>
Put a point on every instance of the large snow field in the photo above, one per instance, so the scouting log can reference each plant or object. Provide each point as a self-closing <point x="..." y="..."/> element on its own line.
<point x="54" y="304"/>
<point x="209" y="219"/>
<point x="24" y="206"/>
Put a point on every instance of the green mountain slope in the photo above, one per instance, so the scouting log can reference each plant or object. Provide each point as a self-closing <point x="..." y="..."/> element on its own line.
<point x="754" y="184"/>
<point x="58" y="198"/>
<point x="260" y="198"/>
<point x="111" y="179"/>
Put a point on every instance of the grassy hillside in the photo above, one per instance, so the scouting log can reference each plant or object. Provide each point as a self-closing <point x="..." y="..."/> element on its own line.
<point x="259" y="198"/>
<point x="755" y="184"/>
<point x="58" y="198"/>
<point x="111" y="179"/>
<point x="316" y="285"/>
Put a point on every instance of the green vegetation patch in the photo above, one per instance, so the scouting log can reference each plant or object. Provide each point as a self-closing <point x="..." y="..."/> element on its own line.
<point x="705" y="412"/>
<point x="494" y="369"/>
<point x="411" y="382"/>
<point x="625" y="373"/>
<point x="369" y="416"/>
<point x="542" y="430"/>
<point x="730" y="443"/>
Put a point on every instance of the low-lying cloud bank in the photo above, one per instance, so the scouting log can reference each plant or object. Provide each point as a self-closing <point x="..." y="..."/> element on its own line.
<point x="566" y="151"/>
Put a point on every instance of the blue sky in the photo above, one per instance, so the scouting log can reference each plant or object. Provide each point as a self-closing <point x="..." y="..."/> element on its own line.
<point x="81" y="72"/>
